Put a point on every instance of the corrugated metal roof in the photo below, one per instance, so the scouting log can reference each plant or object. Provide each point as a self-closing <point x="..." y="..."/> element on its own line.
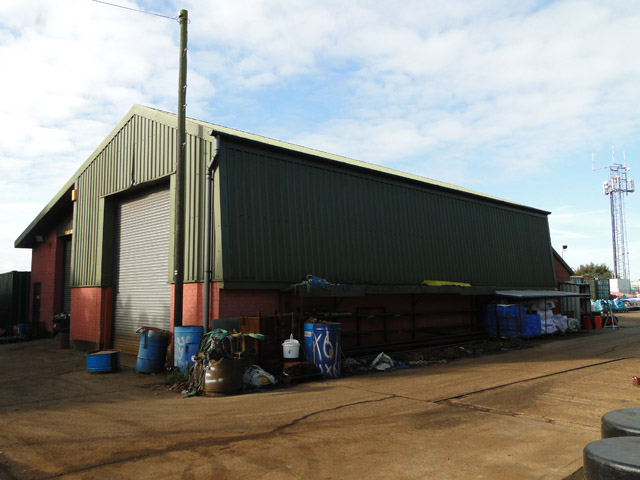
<point x="349" y="161"/>
<point x="201" y="129"/>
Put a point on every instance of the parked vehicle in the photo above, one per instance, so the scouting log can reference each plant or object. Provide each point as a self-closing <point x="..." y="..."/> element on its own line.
<point x="631" y="301"/>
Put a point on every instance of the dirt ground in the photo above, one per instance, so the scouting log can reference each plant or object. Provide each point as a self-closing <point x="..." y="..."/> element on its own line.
<point x="523" y="413"/>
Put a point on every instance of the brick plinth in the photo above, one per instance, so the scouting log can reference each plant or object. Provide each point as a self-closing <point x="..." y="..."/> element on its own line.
<point x="91" y="317"/>
<point x="47" y="269"/>
<point x="224" y="303"/>
<point x="192" y="303"/>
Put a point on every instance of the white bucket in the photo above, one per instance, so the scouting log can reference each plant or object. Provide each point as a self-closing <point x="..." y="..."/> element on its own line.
<point x="291" y="348"/>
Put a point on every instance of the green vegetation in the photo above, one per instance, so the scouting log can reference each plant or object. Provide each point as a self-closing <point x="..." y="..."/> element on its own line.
<point x="596" y="270"/>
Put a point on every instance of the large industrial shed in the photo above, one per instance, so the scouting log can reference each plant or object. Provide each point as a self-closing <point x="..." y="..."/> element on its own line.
<point x="406" y="259"/>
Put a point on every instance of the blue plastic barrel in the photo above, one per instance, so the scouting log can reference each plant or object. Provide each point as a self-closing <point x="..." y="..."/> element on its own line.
<point x="103" y="361"/>
<point x="185" y="345"/>
<point x="22" y="329"/>
<point x="308" y="340"/>
<point x="326" y="349"/>
<point x="152" y="350"/>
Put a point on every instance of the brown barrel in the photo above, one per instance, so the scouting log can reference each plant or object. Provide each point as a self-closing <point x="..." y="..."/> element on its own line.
<point x="224" y="376"/>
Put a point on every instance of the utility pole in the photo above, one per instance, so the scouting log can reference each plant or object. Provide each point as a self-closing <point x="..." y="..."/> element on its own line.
<point x="178" y="243"/>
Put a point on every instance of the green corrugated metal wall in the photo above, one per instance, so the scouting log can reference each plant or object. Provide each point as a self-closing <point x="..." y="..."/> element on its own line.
<point x="14" y="299"/>
<point x="285" y="217"/>
<point x="284" y="214"/>
<point x="143" y="151"/>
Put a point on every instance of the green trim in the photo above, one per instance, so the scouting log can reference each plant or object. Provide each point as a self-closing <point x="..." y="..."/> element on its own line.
<point x="106" y="240"/>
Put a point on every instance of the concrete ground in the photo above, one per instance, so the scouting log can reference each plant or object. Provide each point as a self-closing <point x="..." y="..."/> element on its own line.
<point x="524" y="414"/>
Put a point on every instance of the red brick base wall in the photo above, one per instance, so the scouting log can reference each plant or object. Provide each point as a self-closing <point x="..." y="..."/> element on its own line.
<point x="404" y="317"/>
<point x="224" y="303"/>
<point x="411" y="317"/>
<point x="246" y="303"/>
<point x="91" y="317"/>
<point x="47" y="270"/>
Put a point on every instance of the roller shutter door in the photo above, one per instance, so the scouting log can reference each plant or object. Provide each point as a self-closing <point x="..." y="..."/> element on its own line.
<point x="142" y="293"/>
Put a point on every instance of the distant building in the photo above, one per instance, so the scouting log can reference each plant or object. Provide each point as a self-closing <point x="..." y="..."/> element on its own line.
<point x="562" y="269"/>
<point x="14" y="300"/>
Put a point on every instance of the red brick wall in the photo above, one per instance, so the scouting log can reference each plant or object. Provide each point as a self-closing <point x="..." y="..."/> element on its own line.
<point x="192" y="303"/>
<point x="562" y="274"/>
<point x="246" y="303"/>
<point x="47" y="269"/>
<point x="224" y="303"/>
<point x="439" y="314"/>
<point x="436" y="313"/>
<point x="86" y="307"/>
<point x="91" y="310"/>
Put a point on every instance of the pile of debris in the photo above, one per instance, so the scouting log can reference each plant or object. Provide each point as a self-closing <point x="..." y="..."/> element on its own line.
<point x="220" y="367"/>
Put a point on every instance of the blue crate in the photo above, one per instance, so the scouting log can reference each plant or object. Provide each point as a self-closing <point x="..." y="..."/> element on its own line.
<point x="512" y="321"/>
<point x="533" y="326"/>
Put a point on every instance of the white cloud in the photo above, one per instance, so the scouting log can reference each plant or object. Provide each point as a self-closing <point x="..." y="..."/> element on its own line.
<point x="509" y="83"/>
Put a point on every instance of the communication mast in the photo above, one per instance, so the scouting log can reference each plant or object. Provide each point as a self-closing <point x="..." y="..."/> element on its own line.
<point x="617" y="187"/>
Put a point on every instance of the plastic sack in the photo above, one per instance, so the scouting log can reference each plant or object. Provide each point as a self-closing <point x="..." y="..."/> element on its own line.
<point x="618" y="304"/>
<point x="574" y="324"/>
<point x="561" y="323"/>
<point x="254" y="376"/>
<point x="382" y="362"/>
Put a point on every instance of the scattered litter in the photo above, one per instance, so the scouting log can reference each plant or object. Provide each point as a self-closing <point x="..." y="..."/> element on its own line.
<point x="385" y="363"/>
<point x="574" y="324"/>
<point x="636" y="381"/>
<point x="256" y="377"/>
<point x="382" y="362"/>
<point x="356" y="365"/>
<point x="422" y="363"/>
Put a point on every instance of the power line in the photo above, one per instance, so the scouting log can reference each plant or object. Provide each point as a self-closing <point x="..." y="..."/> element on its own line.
<point x="136" y="10"/>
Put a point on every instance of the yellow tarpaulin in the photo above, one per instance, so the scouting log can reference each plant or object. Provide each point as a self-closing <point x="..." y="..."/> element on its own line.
<point x="442" y="283"/>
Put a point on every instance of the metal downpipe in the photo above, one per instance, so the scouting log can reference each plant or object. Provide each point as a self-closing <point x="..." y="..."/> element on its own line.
<point x="208" y="197"/>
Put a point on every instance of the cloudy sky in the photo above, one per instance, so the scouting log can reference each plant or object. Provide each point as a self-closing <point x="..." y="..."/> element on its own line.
<point x="509" y="99"/>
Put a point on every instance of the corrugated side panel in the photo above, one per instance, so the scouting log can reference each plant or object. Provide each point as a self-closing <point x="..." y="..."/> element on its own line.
<point x="286" y="217"/>
<point x="143" y="151"/>
<point x="14" y="299"/>
<point x="570" y="306"/>
<point x="198" y="153"/>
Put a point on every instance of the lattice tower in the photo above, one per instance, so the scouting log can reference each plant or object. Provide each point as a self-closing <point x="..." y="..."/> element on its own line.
<point x="617" y="187"/>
